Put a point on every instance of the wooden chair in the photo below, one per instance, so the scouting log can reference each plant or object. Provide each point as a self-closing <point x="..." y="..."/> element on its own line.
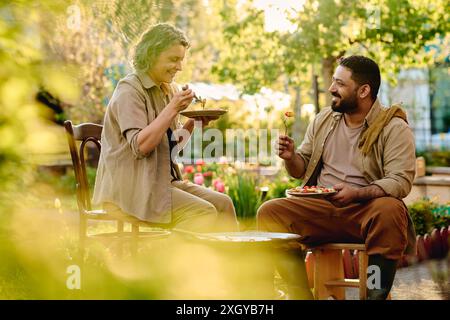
<point x="89" y="132"/>
<point x="329" y="279"/>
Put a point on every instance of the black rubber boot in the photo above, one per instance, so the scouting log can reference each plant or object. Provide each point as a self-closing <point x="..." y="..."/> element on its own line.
<point x="292" y="268"/>
<point x="388" y="268"/>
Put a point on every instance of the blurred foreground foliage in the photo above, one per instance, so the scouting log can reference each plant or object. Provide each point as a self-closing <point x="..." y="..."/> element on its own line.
<point x="24" y="70"/>
<point x="37" y="245"/>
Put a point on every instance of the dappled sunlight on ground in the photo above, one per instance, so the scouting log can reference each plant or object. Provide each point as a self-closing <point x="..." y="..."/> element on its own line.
<point x="429" y="280"/>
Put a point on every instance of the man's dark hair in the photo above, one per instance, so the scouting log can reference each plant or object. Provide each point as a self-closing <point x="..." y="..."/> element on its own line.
<point x="364" y="71"/>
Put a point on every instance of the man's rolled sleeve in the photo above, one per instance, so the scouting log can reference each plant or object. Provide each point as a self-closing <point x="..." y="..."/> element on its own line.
<point x="131" y="114"/>
<point x="399" y="161"/>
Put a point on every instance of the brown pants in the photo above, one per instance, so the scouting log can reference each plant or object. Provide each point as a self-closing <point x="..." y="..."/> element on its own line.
<point x="380" y="223"/>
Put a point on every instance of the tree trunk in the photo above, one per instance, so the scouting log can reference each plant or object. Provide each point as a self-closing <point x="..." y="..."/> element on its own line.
<point x="297" y="130"/>
<point x="328" y="65"/>
<point x="316" y="92"/>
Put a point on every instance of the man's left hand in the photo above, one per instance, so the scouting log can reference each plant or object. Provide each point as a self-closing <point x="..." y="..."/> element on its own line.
<point x="346" y="195"/>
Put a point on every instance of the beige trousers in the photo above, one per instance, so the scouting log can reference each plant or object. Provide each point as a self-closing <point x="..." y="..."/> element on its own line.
<point x="197" y="208"/>
<point x="194" y="208"/>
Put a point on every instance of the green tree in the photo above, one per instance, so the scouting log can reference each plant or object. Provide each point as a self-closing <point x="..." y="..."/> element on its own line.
<point x="251" y="57"/>
<point x="96" y="52"/>
<point x="393" y="32"/>
<point x="197" y="18"/>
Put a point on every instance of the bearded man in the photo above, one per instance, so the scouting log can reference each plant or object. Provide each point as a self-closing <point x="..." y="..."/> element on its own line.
<point x="367" y="153"/>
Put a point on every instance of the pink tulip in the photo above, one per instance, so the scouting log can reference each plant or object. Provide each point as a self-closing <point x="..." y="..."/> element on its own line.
<point x="220" y="187"/>
<point x="189" y="169"/>
<point x="198" y="179"/>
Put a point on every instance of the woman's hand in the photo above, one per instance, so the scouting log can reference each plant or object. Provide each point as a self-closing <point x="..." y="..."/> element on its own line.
<point x="181" y="100"/>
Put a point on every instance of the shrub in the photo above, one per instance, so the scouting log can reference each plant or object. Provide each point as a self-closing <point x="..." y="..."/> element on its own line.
<point x="277" y="188"/>
<point x="441" y="215"/>
<point x="66" y="184"/>
<point x="427" y="215"/>
<point x="436" y="158"/>
<point x="422" y="215"/>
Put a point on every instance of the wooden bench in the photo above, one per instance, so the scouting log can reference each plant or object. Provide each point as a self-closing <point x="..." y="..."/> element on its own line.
<point x="436" y="186"/>
<point x="329" y="279"/>
<point x="433" y="187"/>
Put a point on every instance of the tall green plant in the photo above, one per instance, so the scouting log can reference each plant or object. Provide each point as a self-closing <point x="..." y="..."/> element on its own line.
<point x="242" y="189"/>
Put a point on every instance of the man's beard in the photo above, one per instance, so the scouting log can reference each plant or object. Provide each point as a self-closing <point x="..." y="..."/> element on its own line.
<point x="347" y="105"/>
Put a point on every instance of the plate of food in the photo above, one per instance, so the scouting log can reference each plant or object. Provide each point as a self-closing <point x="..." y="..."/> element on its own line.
<point x="211" y="113"/>
<point x="203" y="113"/>
<point x="308" y="191"/>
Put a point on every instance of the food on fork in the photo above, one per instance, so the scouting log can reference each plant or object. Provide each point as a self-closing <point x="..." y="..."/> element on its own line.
<point x="202" y="101"/>
<point x="212" y="114"/>
<point x="196" y="98"/>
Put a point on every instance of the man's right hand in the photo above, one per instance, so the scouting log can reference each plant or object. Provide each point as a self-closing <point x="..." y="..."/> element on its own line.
<point x="285" y="147"/>
<point x="181" y="100"/>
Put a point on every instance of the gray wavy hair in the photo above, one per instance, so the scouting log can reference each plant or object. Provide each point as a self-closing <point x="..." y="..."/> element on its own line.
<point x="152" y="42"/>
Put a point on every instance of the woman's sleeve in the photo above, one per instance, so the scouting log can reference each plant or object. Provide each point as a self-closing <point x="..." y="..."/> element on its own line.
<point x="131" y="114"/>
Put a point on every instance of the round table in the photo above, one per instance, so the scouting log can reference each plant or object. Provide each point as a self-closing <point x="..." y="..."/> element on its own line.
<point x="248" y="257"/>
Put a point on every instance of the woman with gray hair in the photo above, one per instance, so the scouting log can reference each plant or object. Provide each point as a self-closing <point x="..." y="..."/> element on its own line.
<point x="136" y="174"/>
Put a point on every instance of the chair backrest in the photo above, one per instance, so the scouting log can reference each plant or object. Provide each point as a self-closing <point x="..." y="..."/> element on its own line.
<point x="83" y="133"/>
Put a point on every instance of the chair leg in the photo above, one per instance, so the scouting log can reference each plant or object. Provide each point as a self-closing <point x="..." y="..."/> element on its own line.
<point x="328" y="266"/>
<point x="119" y="226"/>
<point x="363" y="264"/>
<point x="134" y="240"/>
<point x="120" y="245"/>
<point x="82" y="235"/>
